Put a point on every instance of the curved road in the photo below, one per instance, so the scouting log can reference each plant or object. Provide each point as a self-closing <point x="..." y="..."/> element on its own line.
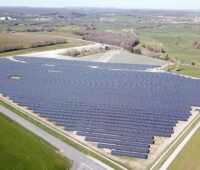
<point x="80" y="161"/>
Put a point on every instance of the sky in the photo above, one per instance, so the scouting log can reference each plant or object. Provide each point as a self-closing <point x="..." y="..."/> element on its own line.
<point x="131" y="4"/>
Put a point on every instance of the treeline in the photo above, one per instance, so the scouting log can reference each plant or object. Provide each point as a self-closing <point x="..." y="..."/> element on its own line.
<point x="123" y="41"/>
<point x="85" y="52"/>
<point x="39" y="29"/>
<point x="32" y="45"/>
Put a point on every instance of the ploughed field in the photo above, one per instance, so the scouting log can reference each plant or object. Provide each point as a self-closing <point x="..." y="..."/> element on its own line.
<point x="121" y="107"/>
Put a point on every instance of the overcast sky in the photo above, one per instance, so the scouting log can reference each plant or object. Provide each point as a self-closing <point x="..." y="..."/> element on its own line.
<point x="142" y="4"/>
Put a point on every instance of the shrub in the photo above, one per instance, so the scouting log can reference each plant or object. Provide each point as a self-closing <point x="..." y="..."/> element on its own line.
<point x="197" y="44"/>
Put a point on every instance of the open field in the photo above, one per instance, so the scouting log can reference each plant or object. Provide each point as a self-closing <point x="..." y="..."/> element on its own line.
<point x="12" y="42"/>
<point x="27" y="43"/>
<point x="65" y="34"/>
<point x="179" y="43"/>
<point x="67" y="29"/>
<point x="189" y="157"/>
<point x="20" y="149"/>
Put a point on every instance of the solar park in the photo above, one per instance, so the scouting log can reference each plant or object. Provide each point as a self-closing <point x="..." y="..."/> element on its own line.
<point x="120" y="107"/>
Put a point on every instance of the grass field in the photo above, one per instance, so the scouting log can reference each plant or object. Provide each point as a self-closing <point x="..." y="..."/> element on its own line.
<point x="66" y="34"/>
<point x="67" y="29"/>
<point x="177" y="42"/>
<point x="188" y="159"/>
<point x="22" y="150"/>
<point x="179" y="45"/>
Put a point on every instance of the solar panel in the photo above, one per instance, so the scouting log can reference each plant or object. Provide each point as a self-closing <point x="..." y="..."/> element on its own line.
<point x="119" y="106"/>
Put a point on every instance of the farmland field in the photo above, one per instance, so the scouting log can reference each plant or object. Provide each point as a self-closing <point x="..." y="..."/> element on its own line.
<point x="20" y="149"/>
<point x="189" y="157"/>
<point x="11" y="44"/>
<point x="177" y="42"/>
<point x="179" y="46"/>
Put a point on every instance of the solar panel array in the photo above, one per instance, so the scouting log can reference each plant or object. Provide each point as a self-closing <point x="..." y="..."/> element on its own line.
<point x="121" y="107"/>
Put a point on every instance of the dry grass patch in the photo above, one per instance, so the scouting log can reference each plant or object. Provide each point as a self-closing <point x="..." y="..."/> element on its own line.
<point x="12" y="42"/>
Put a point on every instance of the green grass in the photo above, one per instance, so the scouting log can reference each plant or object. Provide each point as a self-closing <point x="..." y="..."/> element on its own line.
<point x="189" y="70"/>
<point x="61" y="137"/>
<point x="178" y="42"/>
<point x="188" y="159"/>
<point x="22" y="150"/>
<point x="186" y="70"/>
<point x="67" y="29"/>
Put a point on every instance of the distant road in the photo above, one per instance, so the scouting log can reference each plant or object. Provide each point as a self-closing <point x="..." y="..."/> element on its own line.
<point x="80" y="161"/>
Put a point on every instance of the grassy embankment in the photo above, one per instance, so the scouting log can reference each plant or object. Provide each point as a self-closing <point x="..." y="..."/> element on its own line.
<point x="189" y="157"/>
<point x="20" y="149"/>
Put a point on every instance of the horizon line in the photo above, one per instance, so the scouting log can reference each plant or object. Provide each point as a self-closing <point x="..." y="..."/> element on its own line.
<point x="164" y="9"/>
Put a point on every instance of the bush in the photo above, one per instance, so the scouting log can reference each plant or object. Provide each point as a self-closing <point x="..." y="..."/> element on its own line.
<point x="154" y="47"/>
<point x="73" y="53"/>
<point x="193" y="63"/>
<point x="197" y="44"/>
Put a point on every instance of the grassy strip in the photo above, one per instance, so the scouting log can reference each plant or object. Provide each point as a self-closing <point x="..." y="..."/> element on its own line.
<point x="187" y="70"/>
<point x="188" y="158"/>
<point x="176" y="145"/>
<point x="64" y="139"/>
<point x="21" y="149"/>
<point x="190" y="70"/>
